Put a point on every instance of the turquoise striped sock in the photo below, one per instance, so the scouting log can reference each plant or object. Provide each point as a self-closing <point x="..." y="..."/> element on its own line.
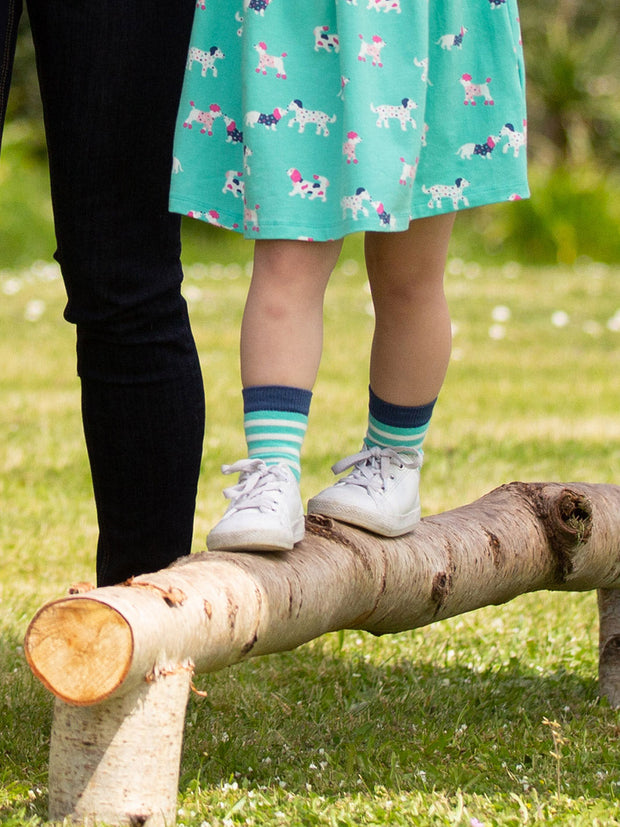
<point x="396" y="425"/>
<point x="386" y="436"/>
<point x="275" y="422"/>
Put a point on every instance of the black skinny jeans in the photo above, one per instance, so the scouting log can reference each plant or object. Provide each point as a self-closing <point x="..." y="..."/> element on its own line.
<point x="110" y="75"/>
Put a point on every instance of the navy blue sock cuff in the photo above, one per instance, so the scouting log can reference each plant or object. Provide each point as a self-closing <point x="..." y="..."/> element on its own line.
<point x="276" y="398"/>
<point x="399" y="416"/>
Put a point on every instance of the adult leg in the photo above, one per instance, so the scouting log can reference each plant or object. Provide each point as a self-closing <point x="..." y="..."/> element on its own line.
<point x="110" y="76"/>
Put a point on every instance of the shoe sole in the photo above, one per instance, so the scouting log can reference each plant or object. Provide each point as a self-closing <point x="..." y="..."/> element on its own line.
<point x="362" y="519"/>
<point x="256" y="540"/>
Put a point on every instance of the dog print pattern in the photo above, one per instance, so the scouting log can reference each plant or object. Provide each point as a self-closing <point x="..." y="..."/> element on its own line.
<point x="356" y="114"/>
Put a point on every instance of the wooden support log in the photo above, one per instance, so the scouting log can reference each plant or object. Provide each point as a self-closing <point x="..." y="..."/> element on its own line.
<point x="118" y="762"/>
<point x="215" y="609"/>
<point x="609" y="645"/>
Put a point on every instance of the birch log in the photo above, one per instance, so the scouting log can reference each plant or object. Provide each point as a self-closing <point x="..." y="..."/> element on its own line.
<point x="211" y="610"/>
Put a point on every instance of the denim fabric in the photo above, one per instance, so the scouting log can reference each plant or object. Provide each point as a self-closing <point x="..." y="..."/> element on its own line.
<point x="10" y="11"/>
<point x="110" y="75"/>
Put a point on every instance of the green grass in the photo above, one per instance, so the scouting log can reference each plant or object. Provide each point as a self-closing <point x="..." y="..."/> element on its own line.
<point x="443" y="725"/>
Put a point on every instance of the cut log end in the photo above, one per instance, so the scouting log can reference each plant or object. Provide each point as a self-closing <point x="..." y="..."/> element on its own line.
<point x="69" y="638"/>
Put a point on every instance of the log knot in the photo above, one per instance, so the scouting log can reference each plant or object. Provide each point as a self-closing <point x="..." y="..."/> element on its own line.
<point x="162" y="671"/>
<point x="172" y="595"/>
<point x="82" y="587"/>
<point x="332" y="530"/>
<point x="495" y="547"/>
<point x="566" y="518"/>
<point x="442" y="585"/>
<point x="327" y="528"/>
<point x="611" y="650"/>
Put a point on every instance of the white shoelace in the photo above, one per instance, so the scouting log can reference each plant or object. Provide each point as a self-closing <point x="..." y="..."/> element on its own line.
<point x="372" y="466"/>
<point x="257" y="486"/>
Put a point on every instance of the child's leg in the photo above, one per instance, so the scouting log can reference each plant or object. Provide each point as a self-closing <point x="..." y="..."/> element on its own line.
<point x="282" y="329"/>
<point x="281" y="343"/>
<point x="412" y="340"/>
<point x="409" y="359"/>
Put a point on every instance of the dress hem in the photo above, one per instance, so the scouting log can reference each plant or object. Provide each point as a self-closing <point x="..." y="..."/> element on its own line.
<point x="394" y="223"/>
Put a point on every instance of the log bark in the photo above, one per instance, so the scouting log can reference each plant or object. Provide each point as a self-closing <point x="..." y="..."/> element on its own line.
<point x="118" y="762"/>
<point x="609" y="645"/>
<point x="214" y="609"/>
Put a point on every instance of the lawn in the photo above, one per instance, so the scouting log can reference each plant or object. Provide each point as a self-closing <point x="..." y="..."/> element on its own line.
<point x="489" y="718"/>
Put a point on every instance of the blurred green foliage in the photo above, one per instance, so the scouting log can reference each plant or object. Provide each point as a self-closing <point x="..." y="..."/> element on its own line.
<point x="24" y="126"/>
<point x="573" y="73"/>
<point x="573" y="81"/>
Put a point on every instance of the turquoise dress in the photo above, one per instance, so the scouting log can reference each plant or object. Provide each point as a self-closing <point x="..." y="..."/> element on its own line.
<point x="315" y="119"/>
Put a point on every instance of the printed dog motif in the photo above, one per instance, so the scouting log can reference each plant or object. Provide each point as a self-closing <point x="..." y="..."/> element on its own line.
<point x="408" y="174"/>
<point x="268" y="119"/>
<point x="258" y="6"/>
<point x="324" y="40"/>
<point x="211" y="216"/>
<point x="304" y="116"/>
<point x="384" y="5"/>
<point x="206" y="59"/>
<point x="348" y="147"/>
<point x="317" y="188"/>
<point x="234" y="183"/>
<point x="355" y="203"/>
<point x="467" y="151"/>
<point x="371" y="50"/>
<point x="247" y="152"/>
<point x="452" y="191"/>
<point x="423" y="65"/>
<point x="384" y="217"/>
<point x="448" y="41"/>
<point x="250" y="218"/>
<point x="401" y="113"/>
<point x="515" y="139"/>
<point x="267" y="61"/>
<point x="476" y="90"/>
<point x="204" y="117"/>
<point x="234" y="134"/>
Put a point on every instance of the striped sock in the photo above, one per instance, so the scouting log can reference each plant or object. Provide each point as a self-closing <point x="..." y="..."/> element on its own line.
<point x="396" y="425"/>
<point x="275" y="421"/>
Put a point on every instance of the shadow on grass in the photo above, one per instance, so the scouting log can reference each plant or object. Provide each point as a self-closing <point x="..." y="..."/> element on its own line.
<point x="344" y="725"/>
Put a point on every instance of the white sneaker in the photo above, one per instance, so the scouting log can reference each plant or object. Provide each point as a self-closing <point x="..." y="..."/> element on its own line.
<point x="381" y="493"/>
<point x="265" y="512"/>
